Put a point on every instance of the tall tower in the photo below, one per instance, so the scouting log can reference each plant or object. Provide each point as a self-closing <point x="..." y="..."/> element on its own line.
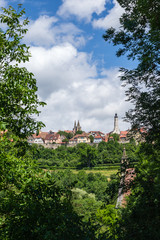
<point x="116" y="128"/>
<point x="78" y="126"/>
<point x="75" y="127"/>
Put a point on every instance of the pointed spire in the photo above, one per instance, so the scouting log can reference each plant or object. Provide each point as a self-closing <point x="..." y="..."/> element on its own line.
<point x="78" y="126"/>
<point x="75" y="127"/>
<point x="75" y="124"/>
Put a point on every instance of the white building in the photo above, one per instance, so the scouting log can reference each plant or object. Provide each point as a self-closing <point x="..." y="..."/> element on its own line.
<point x="116" y="127"/>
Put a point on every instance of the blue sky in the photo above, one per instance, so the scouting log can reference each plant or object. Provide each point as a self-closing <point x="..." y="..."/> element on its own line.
<point x="76" y="70"/>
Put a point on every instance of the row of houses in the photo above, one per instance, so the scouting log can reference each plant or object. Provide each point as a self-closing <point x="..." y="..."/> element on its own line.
<point x="56" y="138"/>
<point x="46" y="138"/>
<point x="51" y="137"/>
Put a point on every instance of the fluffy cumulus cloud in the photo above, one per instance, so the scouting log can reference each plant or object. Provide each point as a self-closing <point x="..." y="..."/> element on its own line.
<point x="40" y="32"/>
<point x="47" y="31"/>
<point x="94" y="102"/>
<point x="83" y="9"/>
<point x="68" y="79"/>
<point x="59" y="67"/>
<point x="68" y="83"/>
<point x="111" y="19"/>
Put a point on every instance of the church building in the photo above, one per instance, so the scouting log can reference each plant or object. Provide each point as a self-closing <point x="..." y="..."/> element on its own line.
<point x="77" y="127"/>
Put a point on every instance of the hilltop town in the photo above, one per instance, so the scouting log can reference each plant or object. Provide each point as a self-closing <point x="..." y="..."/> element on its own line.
<point x="77" y="135"/>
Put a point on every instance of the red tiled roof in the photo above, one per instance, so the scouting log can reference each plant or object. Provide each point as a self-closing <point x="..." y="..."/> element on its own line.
<point x="81" y="135"/>
<point x="40" y="135"/>
<point x="68" y="131"/>
<point x="36" y="136"/>
<point x="143" y="130"/>
<point x="98" y="137"/>
<point x="52" y="136"/>
<point x="43" y="134"/>
<point x="72" y="139"/>
<point x="123" y="132"/>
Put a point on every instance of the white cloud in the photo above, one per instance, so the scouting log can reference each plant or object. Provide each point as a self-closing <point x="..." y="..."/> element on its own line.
<point x="83" y="9"/>
<point x="47" y="31"/>
<point x="68" y="83"/>
<point x="40" y="32"/>
<point x="3" y="3"/>
<point x="68" y="79"/>
<point x="94" y="102"/>
<point x="58" y="67"/>
<point x="112" y="18"/>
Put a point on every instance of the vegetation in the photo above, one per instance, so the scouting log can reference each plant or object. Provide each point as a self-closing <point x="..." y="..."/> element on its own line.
<point x="37" y="204"/>
<point x="17" y="86"/>
<point x="139" y="36"/>
<point x="31" y="205"/>
<point x="83" y="155"/>
<point x="67" y="135"/>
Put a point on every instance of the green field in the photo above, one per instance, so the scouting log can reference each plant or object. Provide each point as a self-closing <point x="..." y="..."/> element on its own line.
<point x="105" y="172"/>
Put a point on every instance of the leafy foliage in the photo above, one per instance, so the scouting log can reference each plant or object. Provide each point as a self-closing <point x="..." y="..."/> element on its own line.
<point x="97" y="184"/>
<point x="17" y="86"/>
<point x="83" y="155"/>
<point x="67" y="135"/>
<point x="139" y="37"/>
<point x="32" y="206"/>
<point x="144" y="202"/>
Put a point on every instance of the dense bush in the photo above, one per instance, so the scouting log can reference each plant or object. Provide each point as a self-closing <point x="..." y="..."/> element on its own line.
<point x="83" y="155"/>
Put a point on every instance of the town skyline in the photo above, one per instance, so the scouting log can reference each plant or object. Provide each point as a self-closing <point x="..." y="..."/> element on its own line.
<point x="77" y="135"/>
<point x="121" y="128"/>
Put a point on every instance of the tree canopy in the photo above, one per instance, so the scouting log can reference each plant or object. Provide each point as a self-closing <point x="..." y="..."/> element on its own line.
<point x="139" y="38"/>
<point x="31" y="206"/>
<point x="19" y="101"/>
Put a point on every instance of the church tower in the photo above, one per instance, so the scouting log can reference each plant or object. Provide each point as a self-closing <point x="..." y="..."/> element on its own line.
<point x="116" y="128"/>
<point x="75" y="127"/>
<point x="78" y="126"/>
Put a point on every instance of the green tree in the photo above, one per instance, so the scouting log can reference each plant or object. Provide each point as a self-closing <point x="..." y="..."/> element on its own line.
<point x="84" y="204"/>
<point x="65" y="140"/>
<point x="67" y="135"/>
<point x="31" y="205"/>
<point x="107" y="217"/>
<point x="144" y="202"/>
<point x="91" y="138"/>
<point x="110" y="152"/>
<point x="139" y="36"/>
<point x="115" y="136"/>
<point x="79" y="132"/>
<point x="18" y="88"/>
<point x="87" y="155"/>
